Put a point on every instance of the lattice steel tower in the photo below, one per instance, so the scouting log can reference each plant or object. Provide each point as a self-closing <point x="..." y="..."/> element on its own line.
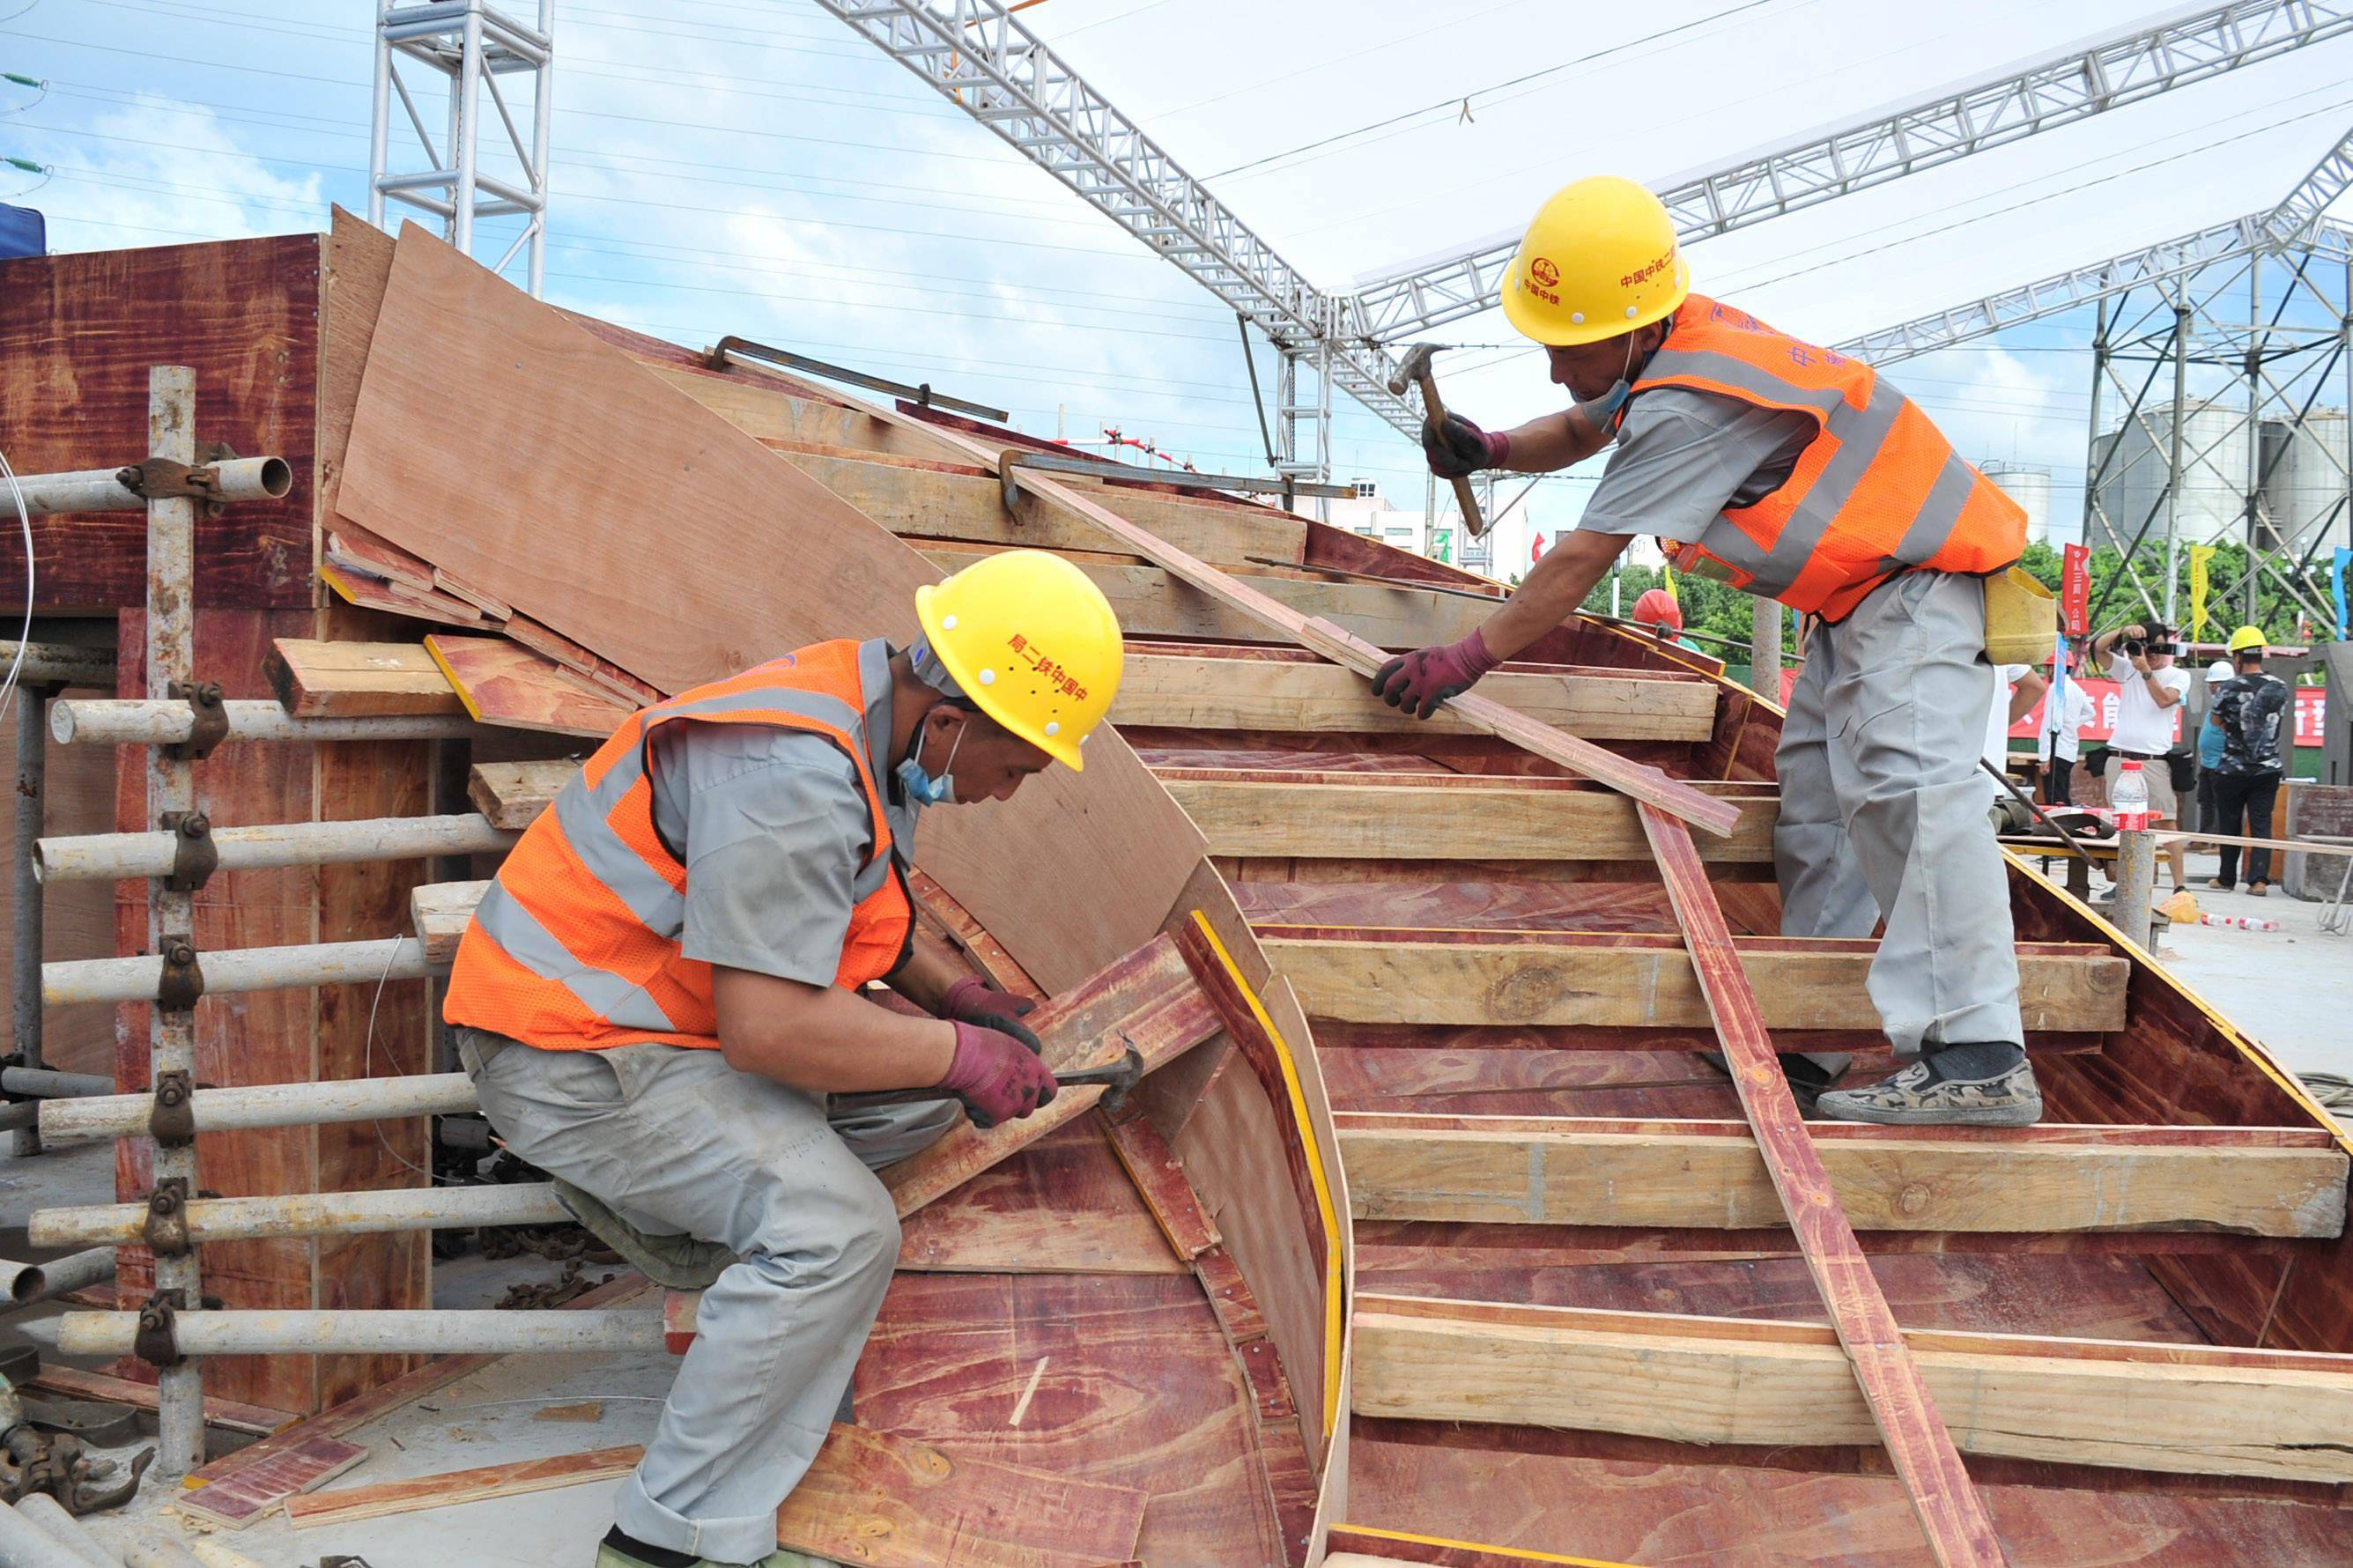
<point x="473" y="48"/>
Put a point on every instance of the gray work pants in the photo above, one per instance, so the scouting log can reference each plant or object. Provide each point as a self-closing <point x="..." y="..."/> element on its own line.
<point x="677" y="1141"/>
<point x="1883" y="811"/>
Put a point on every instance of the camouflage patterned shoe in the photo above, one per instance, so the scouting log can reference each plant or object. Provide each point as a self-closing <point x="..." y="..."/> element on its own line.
<point x="1915" y="1096"/>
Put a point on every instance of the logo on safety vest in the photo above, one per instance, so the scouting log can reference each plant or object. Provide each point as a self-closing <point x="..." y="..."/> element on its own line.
<point x="1545" y="272"/>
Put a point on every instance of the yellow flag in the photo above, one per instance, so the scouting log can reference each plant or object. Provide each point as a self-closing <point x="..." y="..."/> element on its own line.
<point x="2200" y="554"/>
<point x="1667" y="576"/>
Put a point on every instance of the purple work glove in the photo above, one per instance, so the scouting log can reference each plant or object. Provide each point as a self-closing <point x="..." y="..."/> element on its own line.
<point x="973" y="1000"/>
<point x="1457" y="448"/>
<point x="1419" y="681"/>
<point x="998" y="1078"/>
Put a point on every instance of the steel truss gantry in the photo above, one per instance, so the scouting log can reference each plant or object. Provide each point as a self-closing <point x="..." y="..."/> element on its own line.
<point x="2191" y="45"/>
<point x="977" y="55"/>
<point x="473" y="46"/>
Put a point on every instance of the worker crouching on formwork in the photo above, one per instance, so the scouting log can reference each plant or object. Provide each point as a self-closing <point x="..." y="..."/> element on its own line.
<point x="663" y="988"/>
<point x="1793" y="472"/>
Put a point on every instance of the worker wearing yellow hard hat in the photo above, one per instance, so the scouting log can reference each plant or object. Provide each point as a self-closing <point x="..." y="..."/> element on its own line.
<point x="1796" y="473"/>
<point x="660" y="1001"/>
<point x="2252" y="713"/>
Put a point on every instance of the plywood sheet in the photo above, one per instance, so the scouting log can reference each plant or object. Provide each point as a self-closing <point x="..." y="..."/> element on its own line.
<point x="648" y="569"/>
<point x="505" y="683"/>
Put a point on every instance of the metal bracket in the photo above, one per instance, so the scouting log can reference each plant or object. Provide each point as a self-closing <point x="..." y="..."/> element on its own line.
<point x="923" y="397"/>
<point x="163" y="479"/>
<point x="211" y="727"/>
<point x="173" y="1123"/>
<point x="1007" y="461"/>
<point x="183" y="980"/>
<point x="166" y="1231"/>
<point x="195" y="856"/>
<point x="157" y="1343"/>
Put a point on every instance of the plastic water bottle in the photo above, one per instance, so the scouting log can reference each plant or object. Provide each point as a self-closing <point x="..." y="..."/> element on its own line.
<point x="2128" y="797"/>
<point x="2239" y="922"/>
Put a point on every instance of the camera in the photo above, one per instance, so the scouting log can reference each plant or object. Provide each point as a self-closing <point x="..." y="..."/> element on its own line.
<point x="2140" y="646"/>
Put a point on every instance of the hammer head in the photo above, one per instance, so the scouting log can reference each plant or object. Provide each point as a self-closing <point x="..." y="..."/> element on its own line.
<point x="1116" y="1077"/>
<point x="1412" y="368"/>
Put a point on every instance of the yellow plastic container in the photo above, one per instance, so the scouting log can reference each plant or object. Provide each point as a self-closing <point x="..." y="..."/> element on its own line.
<point x="2022" y="618"/>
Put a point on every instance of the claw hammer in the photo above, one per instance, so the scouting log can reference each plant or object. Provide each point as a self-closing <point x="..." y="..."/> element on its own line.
<point x="1416" y="368"/>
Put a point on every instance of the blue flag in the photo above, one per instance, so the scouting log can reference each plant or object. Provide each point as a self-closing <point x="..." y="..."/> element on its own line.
<point x="2336" y="585"/>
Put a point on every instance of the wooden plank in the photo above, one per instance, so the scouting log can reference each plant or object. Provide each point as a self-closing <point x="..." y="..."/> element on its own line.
<point x="1061" y="1205"/>
<point x="1952" y="1516"/>
<point x="317" y="680"/>
<point x="451" y="450"/>
<point x="886" y="1501"/>
<point x="439" y="912"/>
<point x="601" y="672"/>
<point x="254" y="1420"/>
<point x="506" y="684"/>
<point x="1634" y="980"/>
<point x="364" y="592"/>
<point x="768" y="412"/>
<point x="1159" y="1178"/>
<point x="1573" y="1170"/>
<point x="1148" y="999"/>
<point x="513" y="795"/>
<point x="2186" y="1410"/>
<point x="1205" y="691"/>
<point x="1362" y="1546"/>
<point x="1286" y="612"/>
<point x="967" y="503"/>
<point x="1388" y="821"/>
<point x="252" y="1494"/>
<point x="351" y="1504"/>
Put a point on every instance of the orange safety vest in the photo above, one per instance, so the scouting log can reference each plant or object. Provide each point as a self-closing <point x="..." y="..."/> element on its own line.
<point x="1878" y="491"/>
<point x="575" y="946"/>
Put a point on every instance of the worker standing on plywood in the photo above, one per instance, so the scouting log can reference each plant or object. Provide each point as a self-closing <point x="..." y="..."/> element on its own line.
<point x="663" y="987"/>
<point x="1793" y="472"/>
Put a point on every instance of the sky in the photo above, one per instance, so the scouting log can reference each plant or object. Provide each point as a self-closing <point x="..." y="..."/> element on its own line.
<point x="755" y="167"/>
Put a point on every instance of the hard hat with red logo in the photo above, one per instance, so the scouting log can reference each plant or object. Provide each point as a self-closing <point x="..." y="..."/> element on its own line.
<point x="1031" y="639"/>
<point x="1601" y="259"/>
<point x="1657" y="607"/>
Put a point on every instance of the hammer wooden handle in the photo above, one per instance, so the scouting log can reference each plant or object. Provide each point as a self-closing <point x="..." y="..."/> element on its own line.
<point x="1436" y="412"/>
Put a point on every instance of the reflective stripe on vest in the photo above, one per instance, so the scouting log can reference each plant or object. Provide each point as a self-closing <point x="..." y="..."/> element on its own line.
<point x="576" y="944"/>
<point x="1878" y="490"/>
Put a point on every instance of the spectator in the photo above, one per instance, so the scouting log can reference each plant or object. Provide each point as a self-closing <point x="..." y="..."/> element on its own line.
<point x="2062" y="739"/>
<point x="2246" y="781"/>
<point x="2149" y="690"/>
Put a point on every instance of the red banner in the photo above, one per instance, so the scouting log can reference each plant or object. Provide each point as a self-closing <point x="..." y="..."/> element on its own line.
<point x="2309" y="711"/>
<point x="2075" y="586"/>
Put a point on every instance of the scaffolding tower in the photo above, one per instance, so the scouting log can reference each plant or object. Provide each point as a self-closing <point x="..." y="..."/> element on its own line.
<point x="472" y="48"/>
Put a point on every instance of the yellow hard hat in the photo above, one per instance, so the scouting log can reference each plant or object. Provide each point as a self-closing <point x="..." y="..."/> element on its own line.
<point x="1600" y="259"/>
<point x="2246" y="638"/>
<point x="1032" y="641"/>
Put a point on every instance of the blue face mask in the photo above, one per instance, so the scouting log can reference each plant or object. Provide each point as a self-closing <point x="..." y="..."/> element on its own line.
<point x="921" y="786"/>
<point x="1604" y="408"/>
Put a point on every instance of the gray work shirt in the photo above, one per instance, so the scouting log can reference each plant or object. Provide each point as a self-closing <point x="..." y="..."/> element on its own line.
<point x="773" y="828"/>
<point x="1684" y="455"/>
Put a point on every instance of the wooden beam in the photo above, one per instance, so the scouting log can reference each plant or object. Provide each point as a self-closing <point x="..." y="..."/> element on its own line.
<point x="1525" y="819"/>
<point x="1509" y="1170"/>
<point x="1281" y="613"/>
<point x="1642" y="980"/>
<point x="513" y="795"/>
<point x="439" y="912"/>
<point x="967" y="503"/>
<point x="1196" y="691"/>
<point x="351" y="1504"/>
<point x="769" y="412"/>
<point x="2182" y="1409"/>
<point x="318" y="679"/>
<point x="1952" y="1516"/>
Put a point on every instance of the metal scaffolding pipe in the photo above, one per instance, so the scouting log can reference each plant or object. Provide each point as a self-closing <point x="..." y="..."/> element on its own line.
<point x="26" y="1282"/>
<point x="49" y="1515"/>
<point x="24" y="1545"/>
<point x="47" y="1084"/>
<point x="241" y="969"/>
<point x="102" y="489"/>
<point x="59" y="663"/>
<point x="108" y="721"/>
<point x="115" y="857"/>
<point x="477" y="1333"/>
<point x="308" y="1214"/>
<point x="27" y="918"/>
<point x="264" y="1105"/>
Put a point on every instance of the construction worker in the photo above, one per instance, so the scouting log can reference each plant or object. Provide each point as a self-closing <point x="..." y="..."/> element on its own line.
<point x="1794" y="472"/>
<point x="1658" y="613"/>
<point x="658" y="994"/>
<point x="2250" y="709"/>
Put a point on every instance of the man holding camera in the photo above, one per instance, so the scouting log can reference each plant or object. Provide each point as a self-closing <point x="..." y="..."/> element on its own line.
<point x="2149" y="690"/>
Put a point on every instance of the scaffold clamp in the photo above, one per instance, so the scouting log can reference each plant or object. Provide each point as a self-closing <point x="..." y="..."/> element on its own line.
<point x="211" y="719"/>
<point x="183" y="980"/>
<point x="173" y="1123"/>
<point x="157" y="1342"/>
<point x="195" y="856"/>
<point x="166" y="1231"/>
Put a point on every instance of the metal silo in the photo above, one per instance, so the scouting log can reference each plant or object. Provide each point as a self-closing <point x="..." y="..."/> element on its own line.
<point x="2305" y="482"/>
